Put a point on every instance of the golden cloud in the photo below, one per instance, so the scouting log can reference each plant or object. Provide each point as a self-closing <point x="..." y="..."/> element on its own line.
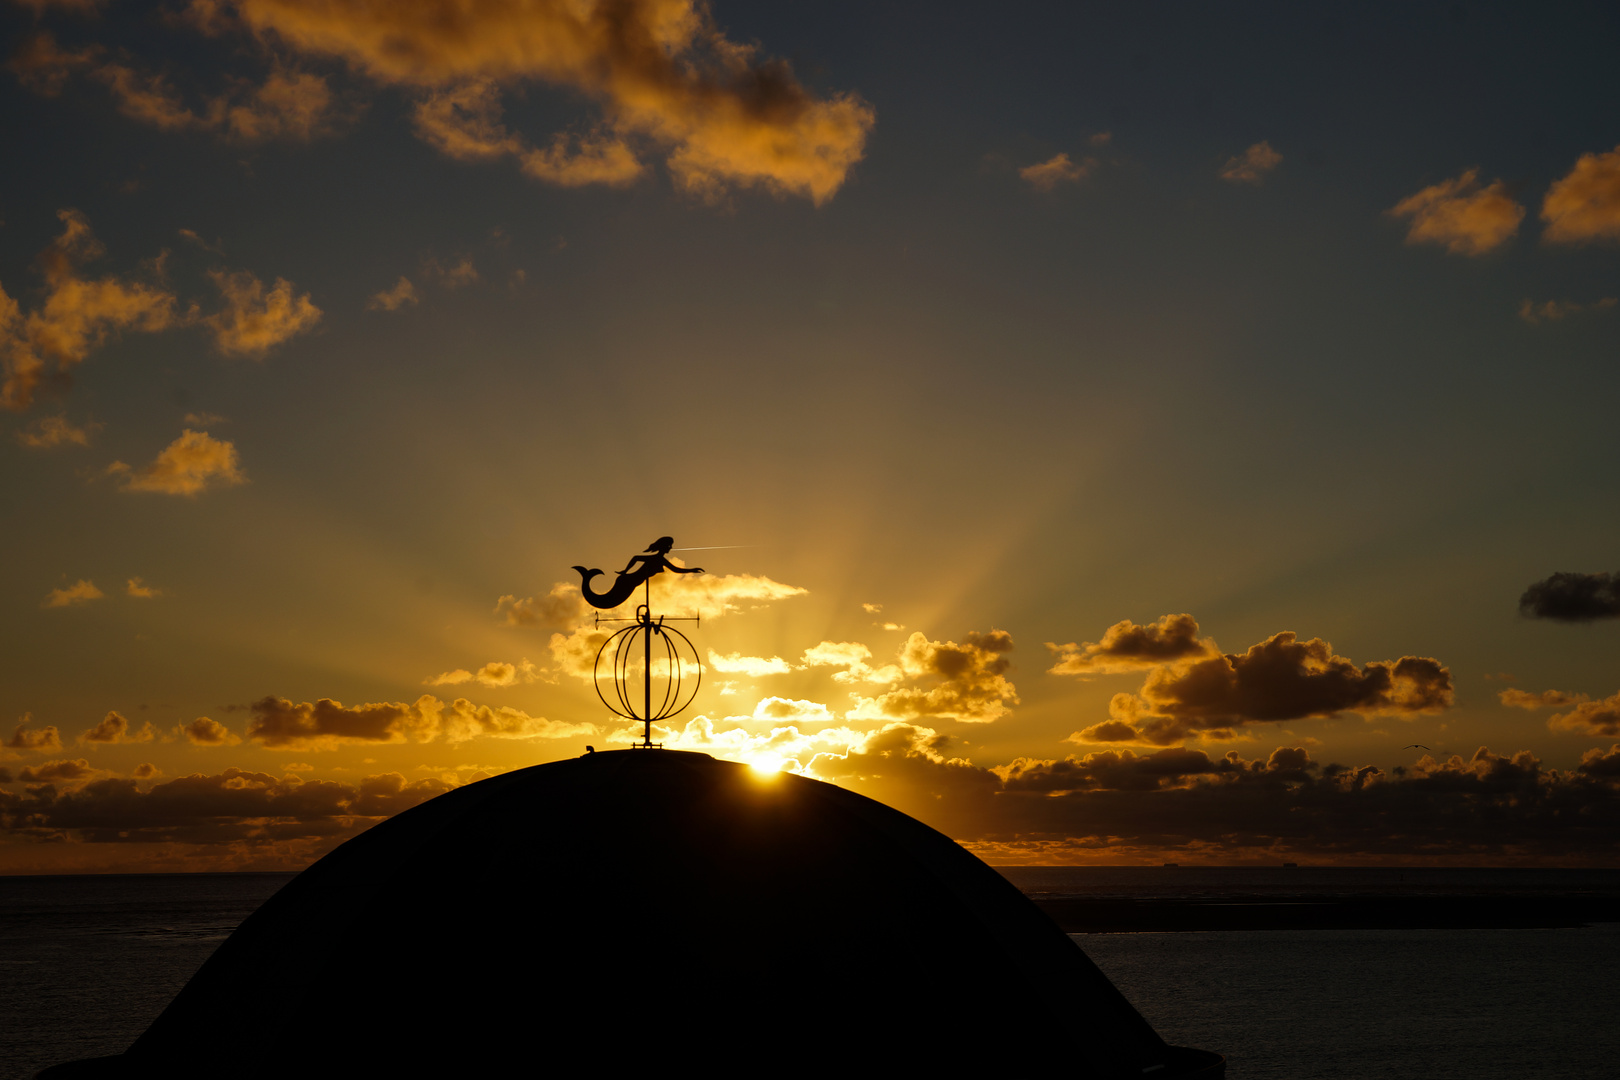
<point x="575" y="653"/>
<point x="710" y="596"/>
<point x="113" y="729"/>
<point x="186" y="466"/>
<point x="77" y="315"/>
<point x="1251" y="166"/>
<point x="1125" y="646"/>
<point x="496" y="673"/>
<point x="1056" y="170"/>
<point x="783" y="746"/>
<point x="572" y="160"/>
<point x="138" y="589"/>
<point x="852" y="656"/>
<point x="468" y="721"/>
<point x="205" y="731"/>
<point x="80" y="592"/>
<point x="968" y="681"/>
<point x="1466" y="218"/>
<point x="253" y="321"/>
<point x="393" y="299"/>
<point x="1585" y="205"/>
<point x="752" y="666"/>
<point x="562" y="607"/>
<point x="660" y="70"/>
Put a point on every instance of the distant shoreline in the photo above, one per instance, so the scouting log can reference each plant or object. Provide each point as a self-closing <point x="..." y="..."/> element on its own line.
<point x="1124" y="916"/>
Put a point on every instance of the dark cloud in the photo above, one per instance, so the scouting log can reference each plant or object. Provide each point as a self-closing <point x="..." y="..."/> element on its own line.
<point x="75" y="771"/>
<point x="326" y="724"/>
<point x="1281" y="678"/>
<point x="1122" y="770"/>
<point x="43" y="740"/>
<point x="1573" y="597"/>
<point x="323" y="725"/>
<point x="236" y="806"/>
<point x="1590" y="718"/>
<point x="1129" y="647"/>
<point x="114" y="728"/>
<point x="206" y="731"/>
<point x="1597" y="762"/>
<point x="1114" y="805"/>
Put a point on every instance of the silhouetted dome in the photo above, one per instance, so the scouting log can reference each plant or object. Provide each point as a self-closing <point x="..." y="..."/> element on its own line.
<point x="649" y="910"/>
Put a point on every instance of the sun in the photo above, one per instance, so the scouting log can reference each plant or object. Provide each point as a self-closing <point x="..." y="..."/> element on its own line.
<point x="766" y="764"/>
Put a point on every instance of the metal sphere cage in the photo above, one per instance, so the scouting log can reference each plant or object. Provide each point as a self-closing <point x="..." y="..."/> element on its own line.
<point x="667" y="656"/>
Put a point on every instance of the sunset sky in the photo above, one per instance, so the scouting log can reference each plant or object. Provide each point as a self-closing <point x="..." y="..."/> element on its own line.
<point x="1113" y="433"/>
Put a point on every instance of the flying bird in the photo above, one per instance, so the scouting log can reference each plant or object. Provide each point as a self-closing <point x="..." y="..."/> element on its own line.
<point x="1416" y="746"/>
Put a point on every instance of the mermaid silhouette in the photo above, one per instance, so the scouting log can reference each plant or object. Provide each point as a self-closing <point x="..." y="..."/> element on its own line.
<point x="651" y="563"/>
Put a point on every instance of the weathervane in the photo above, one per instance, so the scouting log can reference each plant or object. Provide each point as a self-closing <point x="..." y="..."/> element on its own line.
<point x="673" y="644"/>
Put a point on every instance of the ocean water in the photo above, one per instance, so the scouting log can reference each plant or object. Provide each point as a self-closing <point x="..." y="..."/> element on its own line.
<point x="86" y="963"/>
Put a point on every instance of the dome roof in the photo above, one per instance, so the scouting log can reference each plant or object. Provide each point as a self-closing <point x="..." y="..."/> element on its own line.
<point x="651" y="908"/>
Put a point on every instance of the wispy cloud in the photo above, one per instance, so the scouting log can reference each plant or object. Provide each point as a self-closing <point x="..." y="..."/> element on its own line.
<point x="496" y="673"/>
<point x="51" y="431"/>
<point x="78" y="314"/>
<point x="289" y="103"/>
<point x="1057" y="169"/>
<point x="80" y="592"/>
<point x="395" y="298"/>
<point x="1251" y="166"/>
<point x="752" y="666"/>
<point x="138" y="589"/>
<point x="1557" y="310"/>
<point x="253" y="320"/>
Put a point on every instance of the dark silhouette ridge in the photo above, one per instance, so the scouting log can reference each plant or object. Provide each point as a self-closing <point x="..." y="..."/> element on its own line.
<point x="652" y="563"/>
<point x="651" y="911"/>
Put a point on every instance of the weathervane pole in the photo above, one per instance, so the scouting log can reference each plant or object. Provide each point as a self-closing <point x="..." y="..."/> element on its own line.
<point x="646" y="667"/>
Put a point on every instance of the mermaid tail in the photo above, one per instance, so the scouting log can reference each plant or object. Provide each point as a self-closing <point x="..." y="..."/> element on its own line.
<point x="623" y="588"/>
